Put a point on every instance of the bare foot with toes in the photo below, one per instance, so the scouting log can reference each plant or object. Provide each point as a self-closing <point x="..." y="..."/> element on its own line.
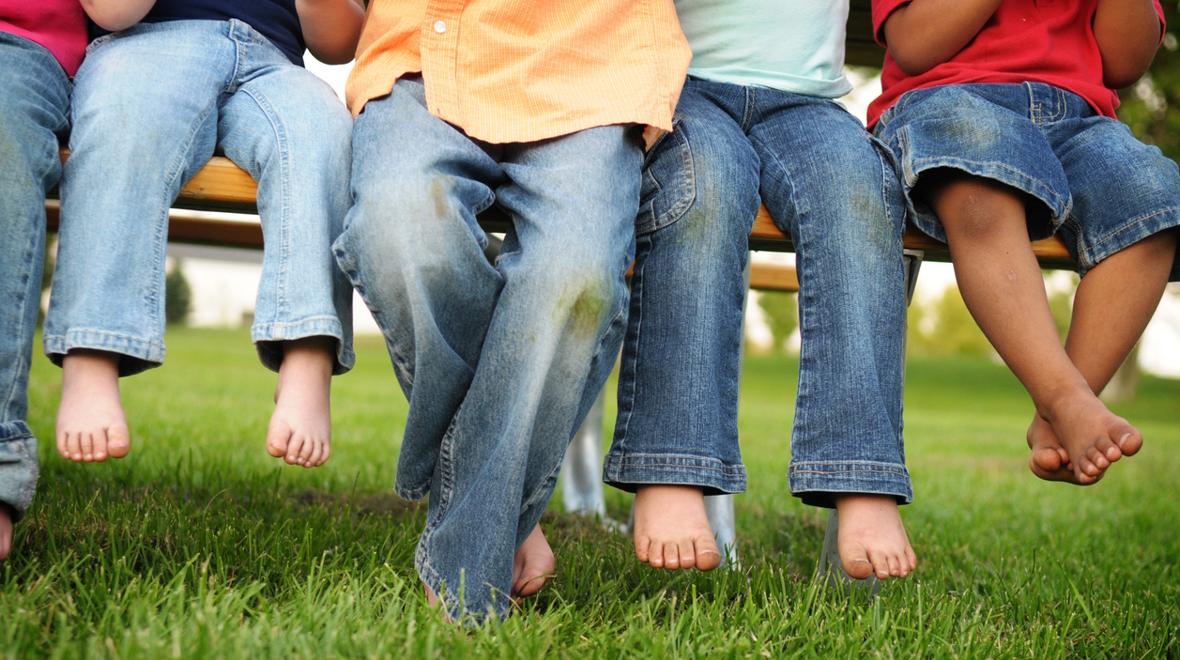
<point x="90" y="421"/>
<point x="1048" y="460"/>
<point x="1093" y="437"/>
<point x="872" y="538"/>
<point x="300" y="430"/>
<point x="533" y="565"/>
<point x="672" y="530"/>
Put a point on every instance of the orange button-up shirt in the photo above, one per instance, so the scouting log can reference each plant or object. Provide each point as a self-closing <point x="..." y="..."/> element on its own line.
<point x="527" y="70"/>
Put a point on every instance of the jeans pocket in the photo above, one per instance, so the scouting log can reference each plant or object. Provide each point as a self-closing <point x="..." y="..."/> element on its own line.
<point x="668" y="189"/>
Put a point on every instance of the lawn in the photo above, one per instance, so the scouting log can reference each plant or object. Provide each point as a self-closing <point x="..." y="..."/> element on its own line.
<point x="201" y="544"/>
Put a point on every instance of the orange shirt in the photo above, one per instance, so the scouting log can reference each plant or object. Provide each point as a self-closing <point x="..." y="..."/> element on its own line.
<point x="527" y="70"/>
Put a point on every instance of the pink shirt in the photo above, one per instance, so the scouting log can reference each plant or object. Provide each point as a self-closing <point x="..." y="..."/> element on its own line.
<point x="58" y="25"/>
<point x="1049" y="41"/>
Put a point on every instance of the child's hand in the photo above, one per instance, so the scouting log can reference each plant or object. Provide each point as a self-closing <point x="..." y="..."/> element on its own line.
<point x="1128" y="34"/>
<point x="115" y="15"/>
<point x="331" y="28"/>
<point x="926" y="33"/>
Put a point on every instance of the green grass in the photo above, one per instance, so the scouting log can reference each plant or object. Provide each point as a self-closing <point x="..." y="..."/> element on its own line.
<point x="201" y="544"/>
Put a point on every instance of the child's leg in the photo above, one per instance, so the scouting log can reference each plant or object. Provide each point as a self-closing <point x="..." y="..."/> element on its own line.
<point x="494" y="359"/>
<point x="1126" y="227"/>
<point x="676" y="433"/>
<point x="138" y="135"/>
<point x="836" y="192"/>
<point x="987" y="232"/>
<point x="33" y="107"/>
<point x="288" y="129"/>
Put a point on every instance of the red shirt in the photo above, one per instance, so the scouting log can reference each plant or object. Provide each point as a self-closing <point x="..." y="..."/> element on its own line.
<point x="1048" y="41"/>
<point x="58" y="25"/>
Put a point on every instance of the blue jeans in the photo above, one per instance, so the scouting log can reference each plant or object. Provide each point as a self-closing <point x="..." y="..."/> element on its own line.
<point x="834" y="190"/>
<point x="1099" y="188"/>
<point x="500" y="361"/>
<point x="150" y="106"/>
<point x="33" y="113"/>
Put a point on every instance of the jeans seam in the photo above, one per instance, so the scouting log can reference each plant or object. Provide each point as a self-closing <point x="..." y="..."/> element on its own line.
<point x="632" y="384"/>
<point x="284" y="196"/>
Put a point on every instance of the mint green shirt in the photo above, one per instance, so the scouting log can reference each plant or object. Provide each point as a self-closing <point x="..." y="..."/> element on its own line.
<point x="792" y="45"/>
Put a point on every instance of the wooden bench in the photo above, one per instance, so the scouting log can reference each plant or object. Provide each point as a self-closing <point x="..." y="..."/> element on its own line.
<point x="222" y="186"/>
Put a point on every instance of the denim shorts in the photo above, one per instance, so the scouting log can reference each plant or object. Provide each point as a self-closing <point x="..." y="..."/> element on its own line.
<point x="1102" y="190"/>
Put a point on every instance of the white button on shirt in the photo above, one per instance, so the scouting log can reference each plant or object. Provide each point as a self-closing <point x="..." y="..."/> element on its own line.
<point x="440" y="26"/>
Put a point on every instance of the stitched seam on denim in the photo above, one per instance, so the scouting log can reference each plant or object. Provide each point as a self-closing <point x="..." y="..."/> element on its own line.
<point x="18" y="430"/>
<point x="844" y="468"/>
<point x="321" y="325"/>
<point x="153" y="300"/>
<point x="541" y="492"/>
<point x="20" y="380"/>
<point x="1136" y="222"/>
<point x="347" y="264"/>
<point x="71" y="340"/>
<point x="285" y="176"/>
<point x="686" y="181"/>
<point x="625" y="413"/>
<point x="1037" y="186"/>
<point x="667" y="458"/>
<point x="622" y="467"/>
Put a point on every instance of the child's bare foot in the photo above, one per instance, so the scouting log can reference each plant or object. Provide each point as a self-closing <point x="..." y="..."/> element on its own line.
<point x="1093" y="437"/>
<point x="672" y="529"/>
<point x="5" y="531"/>
<point x="1048" y="459"/>
<point x="872" y="538"/>
<point x="90" y="421"/>
<point x="300" y="430"/>
<point x="533" y="564"/>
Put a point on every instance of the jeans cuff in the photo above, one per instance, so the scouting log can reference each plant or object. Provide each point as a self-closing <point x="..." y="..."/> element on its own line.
<point x="818" y="482"/>
<point x="266" y="337"/>
<point x="453" y="599"/>
<point x="18" y="467"/>
<point x="137" y="353"/>
<point x="627" y="471"/>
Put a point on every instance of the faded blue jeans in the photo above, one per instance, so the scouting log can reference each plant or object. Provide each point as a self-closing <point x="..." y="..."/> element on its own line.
<point x="834" y="189"/>
<point x="500" y="361"/>
<point x="150" y="106"/>
<point x="34" y="103"/>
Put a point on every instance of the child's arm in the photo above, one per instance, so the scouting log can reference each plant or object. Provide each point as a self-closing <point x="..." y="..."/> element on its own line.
<point x="1128" y="34"/>
<point x="925" y="33"/>
<point x="331" y="28"/>
<point x="115" y="15"/>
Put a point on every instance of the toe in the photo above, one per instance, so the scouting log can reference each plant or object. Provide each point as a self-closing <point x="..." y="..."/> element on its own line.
<point x="74" y="446"/>
<point x="642" y="547"/>
<point x="1046" y="458"/>
<point x="118" y="441"/>
<point x="1108" y="449"/>
<point x="856" y="562"/>
<point x="880" y="565"/>
<point x="87" y="444"/>
<point x="1096" y="458"/>
<point x="708" y="556"/>
<point x="313" y="459"/>
<point x="61" y="444"/>
<point x="277" y="437"/>
<point x="306" y="451"/>
<point x="1129" y="440"/>
<point x="911" y="558"/>
<point x="671" y="557"/>
<point x="687" y="554"/>
<point x="294" y="447"/>
<point x="894" y="565"/>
